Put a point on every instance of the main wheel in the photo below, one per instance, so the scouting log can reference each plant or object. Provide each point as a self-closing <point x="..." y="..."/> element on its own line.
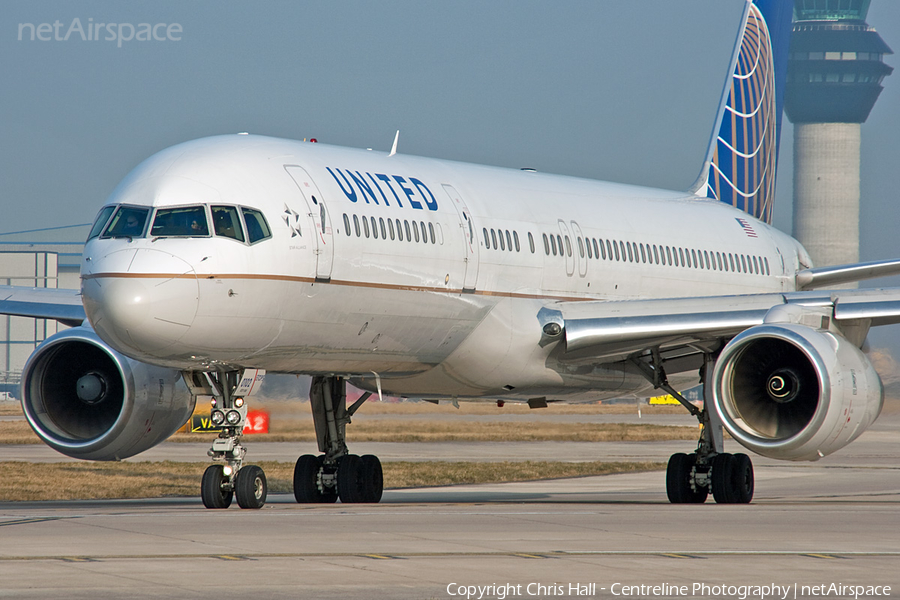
<point x="212" y="488"/>
<point x="722" y="487"/>
<point x="371" y="479"/>
<point x="250" y="487"/>
<point x="306" y="476"/>
<point x="348" y="479"/>
<point x="742" y="479"/>
<point x="678" y="480"/>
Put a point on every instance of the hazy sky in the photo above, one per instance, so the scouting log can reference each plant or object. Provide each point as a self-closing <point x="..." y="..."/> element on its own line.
<point x="623" y="90"/>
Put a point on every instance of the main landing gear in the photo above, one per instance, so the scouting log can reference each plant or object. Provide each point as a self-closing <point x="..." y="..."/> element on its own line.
<point x="229" y="477"/>
<point x="691" y="477"/>
<point x="336" y="473"/>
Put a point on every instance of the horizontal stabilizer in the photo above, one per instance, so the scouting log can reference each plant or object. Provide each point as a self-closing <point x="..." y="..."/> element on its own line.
<point x="820" y="277"/>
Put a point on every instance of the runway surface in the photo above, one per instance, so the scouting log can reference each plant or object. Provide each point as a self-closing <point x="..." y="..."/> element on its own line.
<point x="832" y="522"/>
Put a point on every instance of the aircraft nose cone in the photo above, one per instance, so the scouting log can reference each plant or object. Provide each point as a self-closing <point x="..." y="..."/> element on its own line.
<point x="140" y="301"/>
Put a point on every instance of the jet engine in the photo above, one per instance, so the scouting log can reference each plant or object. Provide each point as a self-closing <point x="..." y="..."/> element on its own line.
<point x="87" y="401"/>
<point x="792" y="392"/>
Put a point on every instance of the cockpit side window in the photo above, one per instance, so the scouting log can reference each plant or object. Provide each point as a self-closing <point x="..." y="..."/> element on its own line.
<point x="100" y="221"/>
<point x="182" y="221"/>
<point x="257" y="227"/>
<point x="128" y="221"/>
<point x="227" y="223"/>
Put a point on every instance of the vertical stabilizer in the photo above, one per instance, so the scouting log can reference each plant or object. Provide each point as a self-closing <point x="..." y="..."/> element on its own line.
<point x="743" y="152"/>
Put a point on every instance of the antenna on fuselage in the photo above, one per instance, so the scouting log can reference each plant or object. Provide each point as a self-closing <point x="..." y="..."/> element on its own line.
<point x="394" y="147"/>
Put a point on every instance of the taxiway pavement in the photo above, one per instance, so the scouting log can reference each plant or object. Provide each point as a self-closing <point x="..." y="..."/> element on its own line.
<point x="831" y="522"/>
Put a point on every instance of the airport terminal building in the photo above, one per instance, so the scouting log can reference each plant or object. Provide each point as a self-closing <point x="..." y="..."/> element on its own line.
<point x="38" y="258"/>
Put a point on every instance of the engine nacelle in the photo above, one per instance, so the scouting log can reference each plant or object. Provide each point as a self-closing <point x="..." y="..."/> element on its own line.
<point x="87" y="401"/>
<point x="791" y="392"/>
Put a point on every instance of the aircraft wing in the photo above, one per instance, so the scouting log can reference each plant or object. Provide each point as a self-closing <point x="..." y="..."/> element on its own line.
<point x="610" y="331"/>
<point x="62" y="305"/>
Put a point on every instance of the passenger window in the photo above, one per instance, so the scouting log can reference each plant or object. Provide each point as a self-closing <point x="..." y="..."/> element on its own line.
<point x="630" y="255"/>
<point x="374" y="228"/>
<point x="365" y="226"/>
<point x="508" y="240"/>
<point x="590" y="251"/>
<point x="399" y="231"/>
<point x="391" y="228"/>
<point x="226" y="223"/>
<point x="580" y="247"/>
<point x="415" y="231"/>
<point x="694" y="258"/>
<point x="493" y="240"/>
<point x="546" y="245"/>
<point x="516" y="240"/>
<point x="596" y="249"/>
<point x="183" y="221"/>
<point x="502" y="243"/>
<point x="431" y="232"/>
<point x="755" y="266"/>
<point x="406" y="227"/>
<point x="568" y="247"/>
<point x="381" y="226"/>
<point x="128" y="221"/>
<point x="100" y="221"/>
<point x="643" y="255"/>
<point x="766" y="261"/>
<point x="531" y="242"/>
<point x="616" y="246"/>
<point x="347" y="224"/>
<point x="655" y="255"/>
<point x="424" y="236"/>
<point x="553" y="244"/>
<point x="487" y="239"/>
<point x="356" y="224"/>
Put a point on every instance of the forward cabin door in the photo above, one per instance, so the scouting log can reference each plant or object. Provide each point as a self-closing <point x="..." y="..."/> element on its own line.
<point x="320" y="220"/>
<point x="467" y="227"/>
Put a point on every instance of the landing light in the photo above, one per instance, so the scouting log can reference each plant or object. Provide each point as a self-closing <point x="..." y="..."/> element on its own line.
<point x="227" y="470"/>
<point x="217" y="417"/>
<point x="239" y="402"/>
<point x="233" y="417"/>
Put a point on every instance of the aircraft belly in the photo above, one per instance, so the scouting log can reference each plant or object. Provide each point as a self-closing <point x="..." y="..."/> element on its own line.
<point x="324" y="327"/>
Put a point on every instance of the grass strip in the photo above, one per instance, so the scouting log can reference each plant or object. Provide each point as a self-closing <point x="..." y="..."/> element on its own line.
<point x="92" y="480"/>
<point x="385" y="430"/>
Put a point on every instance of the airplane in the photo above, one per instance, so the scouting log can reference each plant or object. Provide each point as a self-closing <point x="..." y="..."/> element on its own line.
<point x="222" y="259"/>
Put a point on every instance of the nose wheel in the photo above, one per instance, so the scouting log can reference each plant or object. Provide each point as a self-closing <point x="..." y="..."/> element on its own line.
<point x="230" y="478"/>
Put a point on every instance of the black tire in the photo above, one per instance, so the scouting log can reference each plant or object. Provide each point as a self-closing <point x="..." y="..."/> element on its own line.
<point x="722" y="486"/>
<point x="211" y="488"/>
<point x="348" y="480"/>
<point x="371" y="479"/>
<point x="678" y="472"/>
<point x="742" y="479"/>
<point x="678" y="480"/>
<point x="306" y="475"/>
<point x="250" y="487"/>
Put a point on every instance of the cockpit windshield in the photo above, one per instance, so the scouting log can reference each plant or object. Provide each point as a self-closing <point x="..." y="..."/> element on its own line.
<point x="129" y="221"/>
<point x="182" y="221"/>
<point x="239" y="223"/>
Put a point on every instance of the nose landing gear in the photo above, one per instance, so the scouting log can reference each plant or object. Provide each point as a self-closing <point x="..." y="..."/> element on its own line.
<point x="230" y="478"/>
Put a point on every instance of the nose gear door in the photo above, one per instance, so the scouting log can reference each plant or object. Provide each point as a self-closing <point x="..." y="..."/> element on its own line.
<point x="319" y="218"/>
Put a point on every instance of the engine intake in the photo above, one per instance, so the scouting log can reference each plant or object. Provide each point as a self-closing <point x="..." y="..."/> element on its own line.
<point x="87" y="401"/>
<point x="792" y="392"/>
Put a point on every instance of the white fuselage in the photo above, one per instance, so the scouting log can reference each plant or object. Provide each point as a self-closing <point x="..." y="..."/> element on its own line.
<point x="402" y="266"/>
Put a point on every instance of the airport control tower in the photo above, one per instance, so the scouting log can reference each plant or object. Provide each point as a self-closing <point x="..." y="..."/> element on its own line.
<point x="834" y="77"/>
